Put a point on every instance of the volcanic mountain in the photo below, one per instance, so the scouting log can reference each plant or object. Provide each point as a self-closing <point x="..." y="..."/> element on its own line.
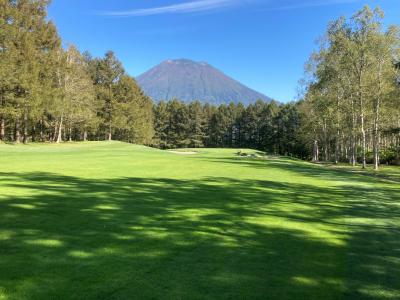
<point x="187" y="80"/>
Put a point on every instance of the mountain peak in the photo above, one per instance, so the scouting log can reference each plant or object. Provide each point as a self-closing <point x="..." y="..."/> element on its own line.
<point x="184" y="61"/>
<point x="189" y="80"/>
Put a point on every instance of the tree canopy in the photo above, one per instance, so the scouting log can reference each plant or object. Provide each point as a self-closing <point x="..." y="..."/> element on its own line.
<point x="349" y="112"/>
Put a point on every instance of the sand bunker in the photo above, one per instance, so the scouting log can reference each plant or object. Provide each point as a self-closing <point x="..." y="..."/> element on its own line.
<point x="183" y="152"/>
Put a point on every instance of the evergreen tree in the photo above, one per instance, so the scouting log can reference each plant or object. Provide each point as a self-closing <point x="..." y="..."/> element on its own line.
<point x="266" y="130"/>
<point x="109" y="72"/>
<point x="7" y="62"/>
<point x="196" y="125"/>
<point x="178" y="127"/>
<point x="161" y="125"/>
<point x="133" y="112"/>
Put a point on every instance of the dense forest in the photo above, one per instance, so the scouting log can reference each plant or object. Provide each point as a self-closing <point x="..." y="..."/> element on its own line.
<point x="270" y="127"/>
<point x="349" y="110"/>
<point x="52" y="93"/>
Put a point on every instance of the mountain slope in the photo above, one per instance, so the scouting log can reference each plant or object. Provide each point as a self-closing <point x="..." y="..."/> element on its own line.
<point x="188" y="81"/>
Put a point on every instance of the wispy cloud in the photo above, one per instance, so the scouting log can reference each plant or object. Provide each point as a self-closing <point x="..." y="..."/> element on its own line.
<point x="187" y="7"/>
<point x="307" y="4"/>
<point x="210" y="5"/>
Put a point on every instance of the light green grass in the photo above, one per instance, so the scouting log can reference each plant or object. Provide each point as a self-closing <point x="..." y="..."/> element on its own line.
<point x="118" y="221"/>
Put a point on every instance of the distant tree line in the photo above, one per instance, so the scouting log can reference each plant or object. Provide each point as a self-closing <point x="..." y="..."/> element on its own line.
<point x="350" y="111"/>
<point x="266" y="126"/>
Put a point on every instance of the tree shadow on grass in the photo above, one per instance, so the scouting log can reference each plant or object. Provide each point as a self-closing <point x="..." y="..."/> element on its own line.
<point x="326" y="172"/>
<point x="66" y="237"/>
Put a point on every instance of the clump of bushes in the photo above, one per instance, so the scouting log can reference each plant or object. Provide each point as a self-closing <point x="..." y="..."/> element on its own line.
<point x="241" y="153"/>
<point x="387" y="157"/>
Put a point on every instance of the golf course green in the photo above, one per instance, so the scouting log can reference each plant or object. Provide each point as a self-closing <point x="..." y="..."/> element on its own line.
<point x="109" y="220"/>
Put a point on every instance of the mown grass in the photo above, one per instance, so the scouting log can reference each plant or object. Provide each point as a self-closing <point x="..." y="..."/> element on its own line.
<point x="117" y="221"/>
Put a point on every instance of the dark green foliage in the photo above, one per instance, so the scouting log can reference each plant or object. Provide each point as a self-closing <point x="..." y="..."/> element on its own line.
<point x="27" y="44"/>
<point x="265" y="126"/>
<point x="48" y="93"/>
<point x="178" y="129"/>
<point x="197" y="125"/>
<point x="161" y="124"/>
<point x="109" y="73"/>
<point x="286" y="136"/>
<point x="133" y="116"/>
<point x="51" y="94"/>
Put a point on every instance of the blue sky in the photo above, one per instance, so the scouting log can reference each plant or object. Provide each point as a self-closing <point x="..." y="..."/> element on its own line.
<point x="262" y="43"/>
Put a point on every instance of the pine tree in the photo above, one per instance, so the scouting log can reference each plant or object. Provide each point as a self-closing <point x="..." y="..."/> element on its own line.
<point x="133" y="112"/>
<point x="28" y="41"/>
<point x="7" y="62"/>
<point x="196" y="125"/>
<point x="109" y="72"/>
<point x="161" y="125"/>
<point x="267" y="126"/>
<point x="178" y="128"/>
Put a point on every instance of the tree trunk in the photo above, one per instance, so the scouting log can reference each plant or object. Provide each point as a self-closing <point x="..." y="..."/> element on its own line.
<point x="70" y="133"/>
<point x="326" y="157"/>
<point x="41" y="130"/>
<point x="25" y="135"/>
<point x="109" y="132"/>
<point x="363" y="140"/>
<point x="110" y="113"/>
<point x="362" y="115"/>
<point x="85" y="134"/>
<point x="337" y="147"/>
<point x="363" y="144"/>
<point x="353" y="149"/>
<point x="17" y="135"/>
<point x="59" y="135"/>
<point x="376" y="139"/>
<point x="354" y="153"/>
<point x="54" y="134"/>
<point x="337" y="142"/>
<point x="315" y="152"/>
<point x="376" y="146"/>
<point x="2" y="119"/>
<point x="33" y="134"/>
<point x="2" y="129"/>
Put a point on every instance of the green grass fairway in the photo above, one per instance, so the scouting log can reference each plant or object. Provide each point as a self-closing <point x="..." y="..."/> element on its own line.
<point x="118" y="221"/>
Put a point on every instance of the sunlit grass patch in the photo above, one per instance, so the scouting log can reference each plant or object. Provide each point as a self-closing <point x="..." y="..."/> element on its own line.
<point x="116" y="221"/>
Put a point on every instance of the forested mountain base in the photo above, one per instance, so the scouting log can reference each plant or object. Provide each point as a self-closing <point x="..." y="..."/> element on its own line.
<point x="265" y="126"/>
<point x="350" y="110"/>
